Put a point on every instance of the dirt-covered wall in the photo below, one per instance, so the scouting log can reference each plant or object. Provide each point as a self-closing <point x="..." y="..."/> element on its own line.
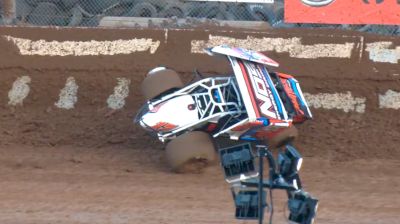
<point x="81" y="86"/>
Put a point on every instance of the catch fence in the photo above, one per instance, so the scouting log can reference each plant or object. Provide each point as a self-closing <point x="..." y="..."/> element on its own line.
<point x="89" y="13"/>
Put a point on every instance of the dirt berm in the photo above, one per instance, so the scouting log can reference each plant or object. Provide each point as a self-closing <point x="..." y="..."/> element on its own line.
<point x="334" y="133"/>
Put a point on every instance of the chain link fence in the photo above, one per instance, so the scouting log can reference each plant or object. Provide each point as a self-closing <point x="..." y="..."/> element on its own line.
<point x="88" y="13"/>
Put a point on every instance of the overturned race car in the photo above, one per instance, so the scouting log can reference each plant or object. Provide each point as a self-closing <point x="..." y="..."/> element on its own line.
<point x="255" y="106"/>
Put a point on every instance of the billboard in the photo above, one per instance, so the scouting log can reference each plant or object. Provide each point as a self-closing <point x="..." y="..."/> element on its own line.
<point x="343" y="11"/>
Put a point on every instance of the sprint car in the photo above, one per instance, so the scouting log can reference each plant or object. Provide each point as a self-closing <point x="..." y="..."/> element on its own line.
<point x="252" y="104"/>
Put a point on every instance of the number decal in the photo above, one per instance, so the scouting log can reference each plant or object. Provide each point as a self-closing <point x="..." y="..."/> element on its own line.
<point x="262" y="91"/>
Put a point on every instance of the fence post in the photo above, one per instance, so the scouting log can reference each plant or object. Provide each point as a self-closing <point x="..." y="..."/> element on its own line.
<point x="9" y="11"/>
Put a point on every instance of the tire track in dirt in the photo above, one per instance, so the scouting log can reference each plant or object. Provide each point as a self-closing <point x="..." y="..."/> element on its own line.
<point x="133" y="185"/>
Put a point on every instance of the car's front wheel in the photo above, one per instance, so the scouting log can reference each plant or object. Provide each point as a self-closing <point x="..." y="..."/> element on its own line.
<point x="160" y="80"/>
<point x="190" y="152"/>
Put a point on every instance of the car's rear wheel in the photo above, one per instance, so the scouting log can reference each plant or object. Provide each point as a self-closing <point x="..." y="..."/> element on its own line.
<point x="190" y="152"/>
<point x="283" y="137"/>
<point x="159" y="81"/>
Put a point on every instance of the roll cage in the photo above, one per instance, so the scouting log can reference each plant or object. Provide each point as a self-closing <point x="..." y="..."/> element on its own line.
<point x="215" y="98"/>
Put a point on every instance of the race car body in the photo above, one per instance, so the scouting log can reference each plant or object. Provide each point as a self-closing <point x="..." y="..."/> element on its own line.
<point x="252" y="104"/>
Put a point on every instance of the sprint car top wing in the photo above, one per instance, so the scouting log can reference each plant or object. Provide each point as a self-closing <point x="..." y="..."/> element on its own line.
<point x="259" y="94"/>
<point x="242" y="54"/>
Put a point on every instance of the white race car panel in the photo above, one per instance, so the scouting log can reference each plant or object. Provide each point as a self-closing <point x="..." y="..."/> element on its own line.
<point x="243" y="54"/>
<point x="251" y="112"/>
<point x="258" y="92"/>
<point x="269" y="106"/>
<point x="176" y="112"/>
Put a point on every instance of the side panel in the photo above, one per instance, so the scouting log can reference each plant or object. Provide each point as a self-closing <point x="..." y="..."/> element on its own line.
<point x="269" y="102"/>
<point x="245" y="90"/>
<point x="293" y="90"/>
<point x="259" y="94"/>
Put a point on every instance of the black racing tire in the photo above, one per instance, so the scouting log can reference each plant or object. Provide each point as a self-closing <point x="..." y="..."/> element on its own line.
<point x="1" y="14"/>
<point x="91" y="22"/>
<point x="23" y="10"/>
<point x="240" y="12"/>
<point x="359" y="28"/>
<point x="279" y="17"/>
<point x="117" y="10"/>
<point x="383" y="29"/>
<point x="36" y="2"/>
<point x="143" y="9"/>
<point x="217" y="11"/>
<point x="198" y="12"/>
<point x="397" y="32"/>
<point x="190" y="152"/>
<point x="160" y="82"/>
<point x="76" y="17"/>
<point x="172" y="11"/>
<point x="262" y="13"/>
<point x="68" y="4"/>
<point x="279" y="21"/>
<point x="46" y="13"/>
<point x="209" y="10"/>
<point x="158" y="4"/>
<point x="284" y="137"/>
<point x="96" y="7"/>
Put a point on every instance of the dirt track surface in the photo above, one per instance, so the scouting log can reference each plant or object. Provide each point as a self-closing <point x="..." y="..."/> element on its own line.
<point x="92" y="165"/>
<point x="333" y="134"/>
<point x="125" y="185"/>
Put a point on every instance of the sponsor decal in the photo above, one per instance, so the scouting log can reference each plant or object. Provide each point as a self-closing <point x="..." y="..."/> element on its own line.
<point x="263" y="91"/>
<point x="164" y="126"/>
<point x="343" y="11"/>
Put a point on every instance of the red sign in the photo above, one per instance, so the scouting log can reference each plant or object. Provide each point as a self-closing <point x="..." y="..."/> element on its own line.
<point x="343" y="11"/>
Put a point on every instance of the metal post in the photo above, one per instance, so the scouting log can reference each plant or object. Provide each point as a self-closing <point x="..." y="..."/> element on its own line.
<point x="261" y="153"/>
<point x="272" y="176"/>
<point x="9" y="11"/>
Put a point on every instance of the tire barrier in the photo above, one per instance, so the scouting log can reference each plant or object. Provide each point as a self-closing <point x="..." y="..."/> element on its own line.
<point x="171" y="12"/>
<point x="89" y="13"/>
<point x="143" y="9"/>
<point x="45" y="13"/>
